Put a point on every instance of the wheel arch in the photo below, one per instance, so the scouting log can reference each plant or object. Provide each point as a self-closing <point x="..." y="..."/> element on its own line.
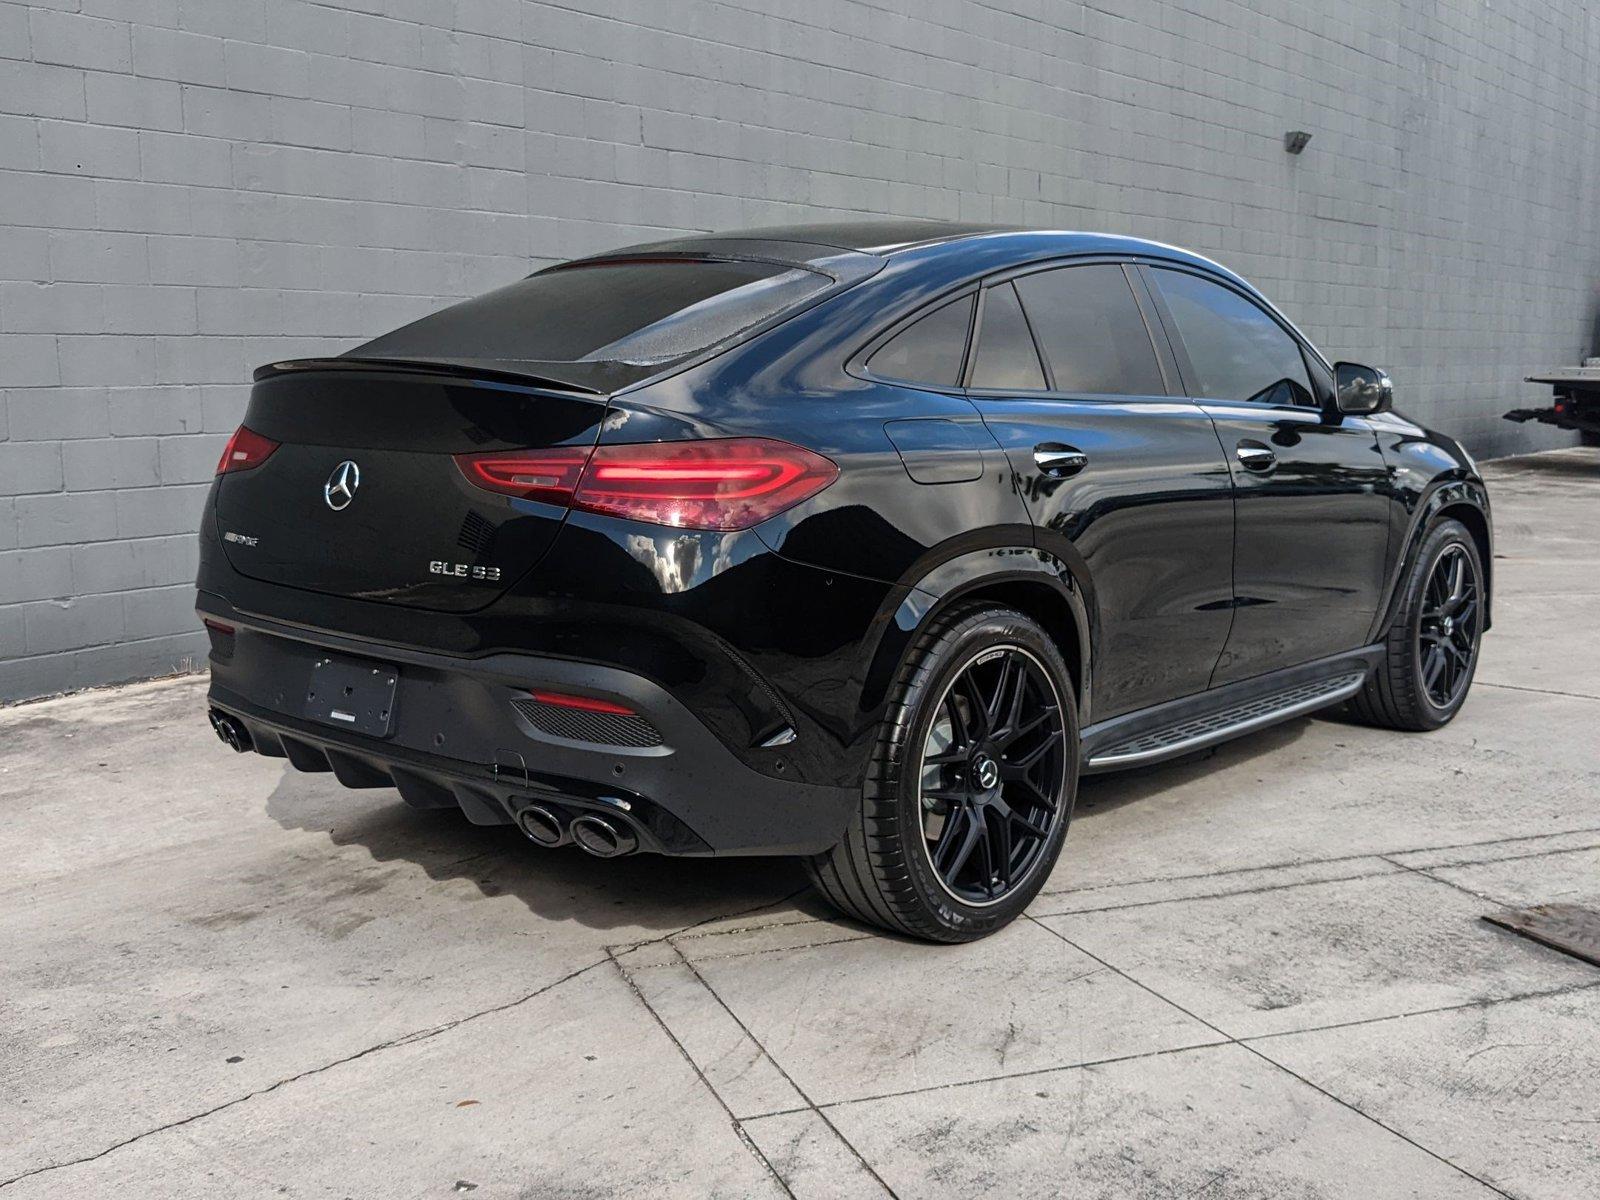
<point x="1462" y="499"/>
<point x="1032" y="581"/>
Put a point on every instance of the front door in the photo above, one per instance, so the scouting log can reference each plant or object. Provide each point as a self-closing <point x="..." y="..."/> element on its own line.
<point x="1311" y="519"/>
<point x="1114" y="470"/>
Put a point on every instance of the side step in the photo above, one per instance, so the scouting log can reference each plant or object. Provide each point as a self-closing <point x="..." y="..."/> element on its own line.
<point x="1199" y="721"/>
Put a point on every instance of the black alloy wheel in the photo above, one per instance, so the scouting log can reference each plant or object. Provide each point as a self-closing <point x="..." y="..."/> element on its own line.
<point x="1431" y="649"/>
<point x="1447" y="634"/>
<point x="990" y="777"/>
<point x="969" y="793"/>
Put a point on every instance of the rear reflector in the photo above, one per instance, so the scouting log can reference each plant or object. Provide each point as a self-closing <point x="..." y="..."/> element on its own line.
<point x="582" y="703"/>
<point x="719" y="483"/>
<point x="245" y="449"/>
<point x="217" y="626"/>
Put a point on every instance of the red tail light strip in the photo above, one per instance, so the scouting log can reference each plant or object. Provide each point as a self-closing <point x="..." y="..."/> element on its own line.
<point x="245" y="449"/>
<point x="547" y="475"/>
<point x="719" y="484"/>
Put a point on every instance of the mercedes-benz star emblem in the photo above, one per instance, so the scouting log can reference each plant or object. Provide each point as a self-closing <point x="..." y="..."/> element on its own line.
<point x="341" y="486"/>
<point x="987" y="772"/>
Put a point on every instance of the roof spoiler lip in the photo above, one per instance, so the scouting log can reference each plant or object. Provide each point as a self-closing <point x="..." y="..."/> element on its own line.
<point x="454" y="368"/>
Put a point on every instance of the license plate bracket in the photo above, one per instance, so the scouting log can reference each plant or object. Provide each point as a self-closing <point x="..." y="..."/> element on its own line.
<point x="351" y="693"/>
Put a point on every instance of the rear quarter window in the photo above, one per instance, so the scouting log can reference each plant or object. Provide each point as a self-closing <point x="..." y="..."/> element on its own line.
<point x="930" y="350"/>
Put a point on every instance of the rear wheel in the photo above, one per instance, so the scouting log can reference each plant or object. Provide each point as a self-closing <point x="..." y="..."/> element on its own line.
<point x="1431" y="652"/>
<point x="970" y="791"/>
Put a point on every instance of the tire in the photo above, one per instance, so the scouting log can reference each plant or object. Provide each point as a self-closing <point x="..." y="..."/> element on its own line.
<point x="1589" y="437"/>
<point x="883" y="872"/>
<point x="1404" y="692"/>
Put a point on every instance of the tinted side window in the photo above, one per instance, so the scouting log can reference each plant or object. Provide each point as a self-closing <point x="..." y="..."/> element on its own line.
<point x="1236" y="351"/>
<point x="1006" y="357"/>
<point x="930" y="350"/>
<point x="1090" y="330"/>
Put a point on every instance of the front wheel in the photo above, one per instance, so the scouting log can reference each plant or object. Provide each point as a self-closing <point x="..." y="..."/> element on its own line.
<point x="967" y="800"/>
<point x="1431" y="653"/>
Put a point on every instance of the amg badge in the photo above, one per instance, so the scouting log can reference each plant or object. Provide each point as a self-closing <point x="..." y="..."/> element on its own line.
<point x="464" y="571"/>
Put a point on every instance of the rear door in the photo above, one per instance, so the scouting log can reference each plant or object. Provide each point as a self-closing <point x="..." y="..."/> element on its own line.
<point x="1311" y="532"/>
<point x="1113" y="469"/>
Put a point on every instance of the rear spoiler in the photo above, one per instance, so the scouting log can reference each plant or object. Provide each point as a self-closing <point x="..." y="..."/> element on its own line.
<point x="581" y="378"/>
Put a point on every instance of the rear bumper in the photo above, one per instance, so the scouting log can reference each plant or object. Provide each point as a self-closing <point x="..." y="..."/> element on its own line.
<point x="456" y="740"/>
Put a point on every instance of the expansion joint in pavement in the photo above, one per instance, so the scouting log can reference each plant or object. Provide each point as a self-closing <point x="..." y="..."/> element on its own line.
<point x="1249" y="1048"/>
<point x="407" y="1039"/>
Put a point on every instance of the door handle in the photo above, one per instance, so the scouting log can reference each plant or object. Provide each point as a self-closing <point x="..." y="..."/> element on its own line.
<point x="1256" y="457"/>
<point x="1059" y="461"/>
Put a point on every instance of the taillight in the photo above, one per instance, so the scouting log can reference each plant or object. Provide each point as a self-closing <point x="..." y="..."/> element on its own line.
<point x="547" y="475"/>
<point x="720" y="483"/>
<point x="245" y="449"/>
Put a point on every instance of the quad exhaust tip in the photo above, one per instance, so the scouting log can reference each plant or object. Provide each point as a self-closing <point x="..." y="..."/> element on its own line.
<point x="541" y="826"/>
<point x="230" y="730"/>
<point x="602" y="838"/>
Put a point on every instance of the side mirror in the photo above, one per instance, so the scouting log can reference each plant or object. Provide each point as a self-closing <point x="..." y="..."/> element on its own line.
<point x="1359" y="390"/>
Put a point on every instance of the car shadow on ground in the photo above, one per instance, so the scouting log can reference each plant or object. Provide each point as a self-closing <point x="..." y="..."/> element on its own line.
<point x="1103" y="793"/>
<point x="644" y="892"/>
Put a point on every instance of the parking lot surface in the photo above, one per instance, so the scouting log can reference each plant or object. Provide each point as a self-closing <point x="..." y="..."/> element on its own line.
<point x="1261" y="973"/>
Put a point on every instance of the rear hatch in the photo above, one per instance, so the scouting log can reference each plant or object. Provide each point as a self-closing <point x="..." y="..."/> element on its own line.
<point x="363" y="496"/>
<point x="357" y="490"/>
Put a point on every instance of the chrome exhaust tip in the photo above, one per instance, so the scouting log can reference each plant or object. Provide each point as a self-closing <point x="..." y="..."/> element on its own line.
<point x="541" y="826"/>
<point x="230" y="730"/>
<point x="603" y="839"/>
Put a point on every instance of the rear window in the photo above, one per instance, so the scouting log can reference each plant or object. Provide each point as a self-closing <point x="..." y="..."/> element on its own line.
<point x="641" y="311"/>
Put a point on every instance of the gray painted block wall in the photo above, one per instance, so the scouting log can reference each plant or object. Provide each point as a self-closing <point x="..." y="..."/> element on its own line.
<point x="189" y="188"/>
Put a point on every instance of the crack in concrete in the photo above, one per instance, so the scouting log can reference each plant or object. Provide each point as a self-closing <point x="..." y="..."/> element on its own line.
<point x="1246" y="1046"/>
<point x="777" y="1066"/>
<point x="407" y="1039"/>
<point x="1517" y="687"/>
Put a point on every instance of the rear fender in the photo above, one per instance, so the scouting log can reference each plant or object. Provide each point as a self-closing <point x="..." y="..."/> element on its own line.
<point x="1053" y="590"/>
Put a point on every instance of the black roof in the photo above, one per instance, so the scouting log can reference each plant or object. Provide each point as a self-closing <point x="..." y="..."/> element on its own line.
<point x="868" y="236"/>
<point x="863" y="237"/>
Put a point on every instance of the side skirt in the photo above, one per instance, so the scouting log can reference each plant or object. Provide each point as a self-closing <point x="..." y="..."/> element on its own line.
<point x="1192" y="723"/>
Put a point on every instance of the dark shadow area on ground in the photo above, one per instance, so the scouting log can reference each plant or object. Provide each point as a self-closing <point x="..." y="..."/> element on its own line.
<point x="655" y="893"/>
<point x="648" y="891"/>
<point x="1102" y="793"/>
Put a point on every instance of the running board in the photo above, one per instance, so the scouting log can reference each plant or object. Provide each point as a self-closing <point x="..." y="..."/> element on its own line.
<point x="1200" y="721"/>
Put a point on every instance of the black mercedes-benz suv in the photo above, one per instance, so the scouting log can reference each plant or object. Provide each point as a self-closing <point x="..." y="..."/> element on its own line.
<point x="852" y="542"/>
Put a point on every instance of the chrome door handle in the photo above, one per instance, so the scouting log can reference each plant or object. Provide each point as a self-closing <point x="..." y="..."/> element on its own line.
<point x="1059" y="461"/>
<point x="1256" y="457"/>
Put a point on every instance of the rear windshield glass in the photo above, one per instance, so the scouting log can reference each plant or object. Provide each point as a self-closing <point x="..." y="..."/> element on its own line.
<point x="638" y="311"/>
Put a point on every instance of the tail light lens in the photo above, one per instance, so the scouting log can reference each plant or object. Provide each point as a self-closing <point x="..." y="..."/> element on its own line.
<point x="721" y="484"/>
<point x="245" y="449"/>
<point x="547" y="475"/>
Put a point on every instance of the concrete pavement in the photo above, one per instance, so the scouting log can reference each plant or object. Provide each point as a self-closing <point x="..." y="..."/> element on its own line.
<point x="1258" y="974"/>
